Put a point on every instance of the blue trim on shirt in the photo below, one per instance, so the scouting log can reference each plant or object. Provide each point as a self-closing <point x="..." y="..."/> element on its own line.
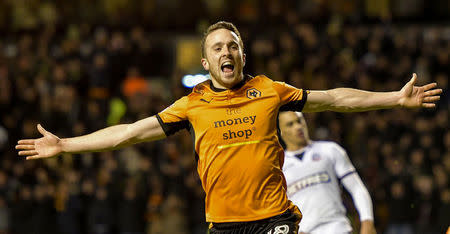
<point x="346" y="174"/>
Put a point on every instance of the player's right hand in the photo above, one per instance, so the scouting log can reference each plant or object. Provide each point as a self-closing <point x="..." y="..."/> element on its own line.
<point x="47" y="146"/>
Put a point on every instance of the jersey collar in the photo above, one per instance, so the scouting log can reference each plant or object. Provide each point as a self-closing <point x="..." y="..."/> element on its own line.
<point x="236" y="87"/>
<point x="301" y="151"/>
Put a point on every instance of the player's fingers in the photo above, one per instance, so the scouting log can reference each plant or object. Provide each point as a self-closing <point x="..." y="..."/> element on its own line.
<point x="431" y="99"/>
<point x="428" y="105"/>
<point x="433" y="92"/>
<point x="429" y="86"/>
<point x="33" y="157"/>
<point x="25" y="147"/>
<point x="26" y="142"/>
<point x="41" y="129"/>
<point x="28" y="153"/>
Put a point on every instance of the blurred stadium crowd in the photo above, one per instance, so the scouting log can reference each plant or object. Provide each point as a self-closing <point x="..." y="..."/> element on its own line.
<point x="78" y="66"/>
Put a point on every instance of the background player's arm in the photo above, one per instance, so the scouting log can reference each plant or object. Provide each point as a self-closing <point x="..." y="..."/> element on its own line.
<point x="363" y="202"/>
<point x="353" y="184"/>
<point x="354" y="100"/>
<point x="109" y="138"/>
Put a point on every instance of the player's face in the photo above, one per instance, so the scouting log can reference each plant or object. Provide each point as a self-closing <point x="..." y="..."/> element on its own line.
<point x="294" y="130"/>
<point x="224" y="58"/>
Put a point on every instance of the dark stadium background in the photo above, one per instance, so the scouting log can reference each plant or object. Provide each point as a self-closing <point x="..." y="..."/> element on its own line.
<point x="78" y="66"/>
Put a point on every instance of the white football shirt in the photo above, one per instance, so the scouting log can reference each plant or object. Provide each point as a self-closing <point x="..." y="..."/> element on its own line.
<point x="312" y="177"/>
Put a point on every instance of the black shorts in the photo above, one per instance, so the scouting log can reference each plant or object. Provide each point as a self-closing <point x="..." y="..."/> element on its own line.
<point x="286" y="223"/>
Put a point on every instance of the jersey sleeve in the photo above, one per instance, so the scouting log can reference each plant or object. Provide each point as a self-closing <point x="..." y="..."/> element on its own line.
<point x="360" y="195"/>
<point x="291" y="98"/>
<point x="342" y="164"/>
<point x="174" y="118"/>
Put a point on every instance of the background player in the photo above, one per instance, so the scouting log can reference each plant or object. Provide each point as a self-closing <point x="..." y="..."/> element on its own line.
<point x="313" y="170"/>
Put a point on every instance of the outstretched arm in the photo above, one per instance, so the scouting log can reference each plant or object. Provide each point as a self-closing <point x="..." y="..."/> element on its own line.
<point x="354" y="100"/>
<point x="109" y="138"/>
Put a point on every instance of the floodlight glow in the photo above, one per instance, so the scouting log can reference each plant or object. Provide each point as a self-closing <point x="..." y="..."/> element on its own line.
<point x="190" y="81"/>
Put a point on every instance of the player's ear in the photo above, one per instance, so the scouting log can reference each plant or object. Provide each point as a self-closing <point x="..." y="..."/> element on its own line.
<point x="243" y="58"/>
<point x="205" y="64"/>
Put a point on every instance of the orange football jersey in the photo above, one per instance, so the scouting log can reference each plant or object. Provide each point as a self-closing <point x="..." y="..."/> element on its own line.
<point x="236" y="144"/>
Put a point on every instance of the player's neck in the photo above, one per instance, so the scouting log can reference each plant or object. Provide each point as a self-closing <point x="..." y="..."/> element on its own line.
<point x="296" y="147"/>
<point x="220" y="86"/>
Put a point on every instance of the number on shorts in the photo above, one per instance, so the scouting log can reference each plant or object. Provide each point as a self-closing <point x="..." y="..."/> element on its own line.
<point x="282" y="229"/>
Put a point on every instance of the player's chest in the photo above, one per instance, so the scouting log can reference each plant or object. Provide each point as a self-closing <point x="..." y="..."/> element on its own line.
<point x="217" y="113"/>
<point x="309" y="166"/>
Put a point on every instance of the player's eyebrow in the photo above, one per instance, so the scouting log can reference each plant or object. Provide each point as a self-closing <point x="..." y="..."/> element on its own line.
<point x="233" y="43"/>
<point x="217" y="44"/>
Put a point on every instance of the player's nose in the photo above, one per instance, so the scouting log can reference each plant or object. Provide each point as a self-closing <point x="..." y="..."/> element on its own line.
<point x="226" y="51"/>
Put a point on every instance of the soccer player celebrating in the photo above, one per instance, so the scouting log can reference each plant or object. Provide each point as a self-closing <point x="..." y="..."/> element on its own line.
<point x="313" y="170"/>
<point x="232" y="119"/>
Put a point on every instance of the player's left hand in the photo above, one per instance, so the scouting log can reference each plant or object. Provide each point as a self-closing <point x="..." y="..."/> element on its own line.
<point x="419" y="96"/>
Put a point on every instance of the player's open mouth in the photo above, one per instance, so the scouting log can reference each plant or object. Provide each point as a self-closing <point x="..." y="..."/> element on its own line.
<point x="227" y="68"/>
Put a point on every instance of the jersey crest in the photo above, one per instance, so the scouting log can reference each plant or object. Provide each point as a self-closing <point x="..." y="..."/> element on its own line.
<point x="316" y="157"/>
<point x="253" y="93"/>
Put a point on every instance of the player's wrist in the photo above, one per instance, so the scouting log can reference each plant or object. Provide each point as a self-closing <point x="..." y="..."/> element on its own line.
<point x="399" y="99"/>
<point x="367" y="224"/>
<point x="368" y="227"/>
<point x="64" y="145"/>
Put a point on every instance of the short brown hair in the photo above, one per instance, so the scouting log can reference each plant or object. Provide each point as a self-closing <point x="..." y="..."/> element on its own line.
<point x="220" y="25"/>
